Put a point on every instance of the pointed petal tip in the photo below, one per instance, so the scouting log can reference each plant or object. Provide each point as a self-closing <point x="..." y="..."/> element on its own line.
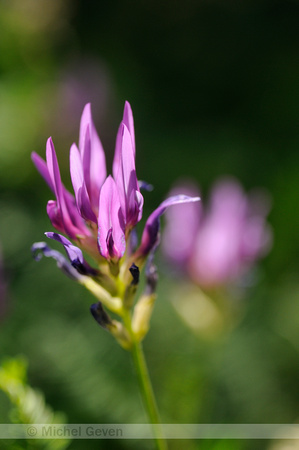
<point x="87" y="108"/>
<point x="37" y="160"/>
<point x="74" y="147"/>
<point x="86" y="119"/>
<point x="50" y="146"/>
<point x="42" y="168"/>
<point x="86" y="115"/>
<point x="34" y="155"/>
<point x="182" y="198"/>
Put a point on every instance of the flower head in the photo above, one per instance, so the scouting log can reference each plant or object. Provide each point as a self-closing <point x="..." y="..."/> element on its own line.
<point x="101" y="215"/>
<point x="104" y="210"/>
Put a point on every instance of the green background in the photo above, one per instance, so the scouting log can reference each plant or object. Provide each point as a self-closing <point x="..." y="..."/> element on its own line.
<point x="214" y="91"/>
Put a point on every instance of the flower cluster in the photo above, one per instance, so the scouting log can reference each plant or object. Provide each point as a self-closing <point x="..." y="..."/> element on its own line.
<point x="222" y="241"/>
<point x="100" y="220"/>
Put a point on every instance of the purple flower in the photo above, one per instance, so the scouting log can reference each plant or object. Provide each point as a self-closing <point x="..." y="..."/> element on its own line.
<point x="101" y="215"/>
<point x="222" y="241"/>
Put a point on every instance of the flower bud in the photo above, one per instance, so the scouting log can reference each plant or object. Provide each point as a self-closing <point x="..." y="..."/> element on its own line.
<point x="113" y="326"/>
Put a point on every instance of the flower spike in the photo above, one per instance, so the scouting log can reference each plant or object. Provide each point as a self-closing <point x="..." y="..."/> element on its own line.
<point x="100" y="220"/>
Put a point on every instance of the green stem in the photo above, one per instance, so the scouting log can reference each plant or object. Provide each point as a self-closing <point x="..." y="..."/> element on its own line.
<point x="146" y="388"/>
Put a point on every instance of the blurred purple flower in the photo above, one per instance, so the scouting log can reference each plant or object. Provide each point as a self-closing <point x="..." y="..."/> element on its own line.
<point x="100" y="217"/>
<point x="219" y="243"/>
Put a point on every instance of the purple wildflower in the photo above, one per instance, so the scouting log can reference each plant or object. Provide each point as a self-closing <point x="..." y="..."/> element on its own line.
<point x="221" y="242"/>
<point x="101" y="216"/>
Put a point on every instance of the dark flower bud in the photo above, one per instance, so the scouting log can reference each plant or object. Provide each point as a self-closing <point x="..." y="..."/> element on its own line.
<point x="100" y="315"/>
<point x="135" y="274"/>
<point x="113" y="326"/>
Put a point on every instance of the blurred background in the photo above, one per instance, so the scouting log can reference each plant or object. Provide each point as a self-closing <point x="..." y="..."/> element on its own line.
<point x="214" y="90"/>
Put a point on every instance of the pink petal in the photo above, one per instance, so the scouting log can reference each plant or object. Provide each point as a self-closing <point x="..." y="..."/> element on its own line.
<point x="41" y="166"/>
<point x="111" y="236"/>
<point x="129" y="122"/>
<point x="93" y="157"/>
<point x="116" y="167"/>
<point x="124" y="173"/>
<point x="82" y="198"/>
<point x="55" y="216"/>
<point x="71" y="230"/>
